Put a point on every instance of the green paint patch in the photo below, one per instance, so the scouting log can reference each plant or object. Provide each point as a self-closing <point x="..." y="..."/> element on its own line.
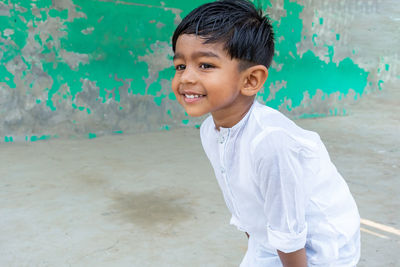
<point x="124" y="35"/>
<point x="8" y="139"/>
<point x="321" y="21"/>
<point x="380" y="84"/>
<point x="6" y="76"/>
<point x="169" y="113"/>
<point x="43" y="15"/>
<point x="172" y="96"/>
<point x="38" y="101"/>
<point x="35" y="138"/>
<point x="165" y="127"/>
<point x="43" y="3"/>
<point x="92" y="135"/>
<point x="118" y="132"/>
<point x="185" y="122"/>
<point x="69" y="77"/>
<point x="337" y="37"/>
<point x="20" y="29"/>
<point x="331" y="52"/>
<point x="45" y="137"/>
<point x="387" y="67"/>
<point x="158" y="99"/>
<point x="88" y="111"/>
<point x="334" y="112"/>
<point x="37" y="39"/>
<point x="197" y="126"/>
<point x="63" y="14"/>
<point x="314" y="36"/>
<point x="311" y="115"/>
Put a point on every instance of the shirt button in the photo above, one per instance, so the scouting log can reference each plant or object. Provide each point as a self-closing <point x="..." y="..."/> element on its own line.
<point x="222" y="170"/>
<point x="221" y="139"/>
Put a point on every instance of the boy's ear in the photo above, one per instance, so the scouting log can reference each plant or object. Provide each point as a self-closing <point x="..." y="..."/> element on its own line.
<point x="253" y="79"/>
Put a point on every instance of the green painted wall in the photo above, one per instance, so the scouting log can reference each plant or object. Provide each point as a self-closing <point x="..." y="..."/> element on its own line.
<point x="94" y="67"/>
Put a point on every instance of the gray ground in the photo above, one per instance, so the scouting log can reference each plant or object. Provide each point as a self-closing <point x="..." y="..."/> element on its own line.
<point x="152" y="200"/>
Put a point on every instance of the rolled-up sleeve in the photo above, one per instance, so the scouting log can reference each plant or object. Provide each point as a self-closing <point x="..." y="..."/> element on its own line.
<point x="279" y="167"/>
<point x="287" y="242"/>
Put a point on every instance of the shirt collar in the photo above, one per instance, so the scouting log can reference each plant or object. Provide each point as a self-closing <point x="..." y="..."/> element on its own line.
<point x="235" y="128"/>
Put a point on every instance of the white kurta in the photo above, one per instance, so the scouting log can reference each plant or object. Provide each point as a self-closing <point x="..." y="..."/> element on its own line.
<point x="281" y="187"/>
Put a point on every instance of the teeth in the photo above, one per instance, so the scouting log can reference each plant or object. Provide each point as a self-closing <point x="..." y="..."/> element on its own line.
<point x="192" y="96"/>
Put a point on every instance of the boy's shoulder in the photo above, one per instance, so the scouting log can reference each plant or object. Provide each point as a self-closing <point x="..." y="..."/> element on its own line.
<point x="270" y="130"/>
<point x="264" y="119"/>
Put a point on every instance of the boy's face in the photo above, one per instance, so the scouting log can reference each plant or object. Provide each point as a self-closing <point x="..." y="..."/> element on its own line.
<point x="206" y="78"/>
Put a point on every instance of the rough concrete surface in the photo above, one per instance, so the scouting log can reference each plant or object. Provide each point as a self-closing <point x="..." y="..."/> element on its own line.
<point x="152" y="200"/>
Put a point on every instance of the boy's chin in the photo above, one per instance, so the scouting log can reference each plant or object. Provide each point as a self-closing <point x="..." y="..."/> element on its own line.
<point x="193" y="113"/>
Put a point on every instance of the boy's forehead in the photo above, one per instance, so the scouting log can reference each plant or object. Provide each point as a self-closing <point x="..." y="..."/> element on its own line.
<point x="194" y="45"/>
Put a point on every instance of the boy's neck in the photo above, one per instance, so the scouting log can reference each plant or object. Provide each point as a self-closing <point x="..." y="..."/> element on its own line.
<point x="229" y="119"/>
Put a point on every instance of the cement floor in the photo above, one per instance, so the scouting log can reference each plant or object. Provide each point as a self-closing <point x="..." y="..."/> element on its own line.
<point x="152" y="200"/>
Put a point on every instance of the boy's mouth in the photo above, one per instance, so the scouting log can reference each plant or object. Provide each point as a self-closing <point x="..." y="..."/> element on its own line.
<point x="190" y="98"/>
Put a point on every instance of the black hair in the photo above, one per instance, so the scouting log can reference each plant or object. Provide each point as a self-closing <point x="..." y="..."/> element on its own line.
<point x="246" y="33"/>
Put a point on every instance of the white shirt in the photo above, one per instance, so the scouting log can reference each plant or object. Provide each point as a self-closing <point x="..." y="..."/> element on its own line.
<point x="281" y="187"/>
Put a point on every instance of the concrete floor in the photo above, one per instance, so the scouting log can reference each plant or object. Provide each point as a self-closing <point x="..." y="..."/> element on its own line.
<point x="152" y="200"/>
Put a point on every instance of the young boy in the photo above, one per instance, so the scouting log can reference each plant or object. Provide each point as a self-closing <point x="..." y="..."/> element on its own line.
<point x="276" y="178"/>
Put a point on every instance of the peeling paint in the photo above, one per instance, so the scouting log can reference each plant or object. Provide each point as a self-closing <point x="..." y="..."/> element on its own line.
<point x="305" y="74"/>
<point x="95" y="67"/>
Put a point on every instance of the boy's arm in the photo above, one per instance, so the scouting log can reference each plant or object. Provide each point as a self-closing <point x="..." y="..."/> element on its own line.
<point x="294" y="259"/>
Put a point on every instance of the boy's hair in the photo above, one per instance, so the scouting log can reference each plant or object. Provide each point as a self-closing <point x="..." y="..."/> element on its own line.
<point x="246" y="33"/>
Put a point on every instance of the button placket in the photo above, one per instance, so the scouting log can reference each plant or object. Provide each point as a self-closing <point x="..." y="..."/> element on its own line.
<point x="221" y="144"/>
<point x="222" y="140"/>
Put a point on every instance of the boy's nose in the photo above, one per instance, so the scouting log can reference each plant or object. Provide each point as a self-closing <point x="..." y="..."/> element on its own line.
<point x="188" y="76"/>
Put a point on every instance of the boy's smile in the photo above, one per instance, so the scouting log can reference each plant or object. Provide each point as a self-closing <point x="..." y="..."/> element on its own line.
<point x="207" y="80"/>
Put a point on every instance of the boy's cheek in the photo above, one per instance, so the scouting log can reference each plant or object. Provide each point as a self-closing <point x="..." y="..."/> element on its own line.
<point x="174" y="86"/>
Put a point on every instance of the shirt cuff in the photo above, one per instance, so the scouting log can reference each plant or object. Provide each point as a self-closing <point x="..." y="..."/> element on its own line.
<point x="287" y="242"/>
<point x="236" y="223"/>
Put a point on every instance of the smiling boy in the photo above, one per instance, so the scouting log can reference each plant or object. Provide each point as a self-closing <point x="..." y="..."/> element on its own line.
<point x="276" y="178"/>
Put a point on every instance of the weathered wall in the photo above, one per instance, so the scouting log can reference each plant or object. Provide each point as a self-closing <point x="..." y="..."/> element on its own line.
<point x="90" y="67"/>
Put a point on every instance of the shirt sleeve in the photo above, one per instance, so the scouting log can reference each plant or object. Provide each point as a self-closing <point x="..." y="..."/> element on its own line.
<point x="280" y="171"/>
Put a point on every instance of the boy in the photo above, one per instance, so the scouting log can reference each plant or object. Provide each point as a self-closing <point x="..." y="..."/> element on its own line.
<point x="276" y="178"/>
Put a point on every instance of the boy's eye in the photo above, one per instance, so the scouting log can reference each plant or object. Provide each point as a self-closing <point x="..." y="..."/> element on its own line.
<point x="206" y="66"/>
<point x="180" y="67"/>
